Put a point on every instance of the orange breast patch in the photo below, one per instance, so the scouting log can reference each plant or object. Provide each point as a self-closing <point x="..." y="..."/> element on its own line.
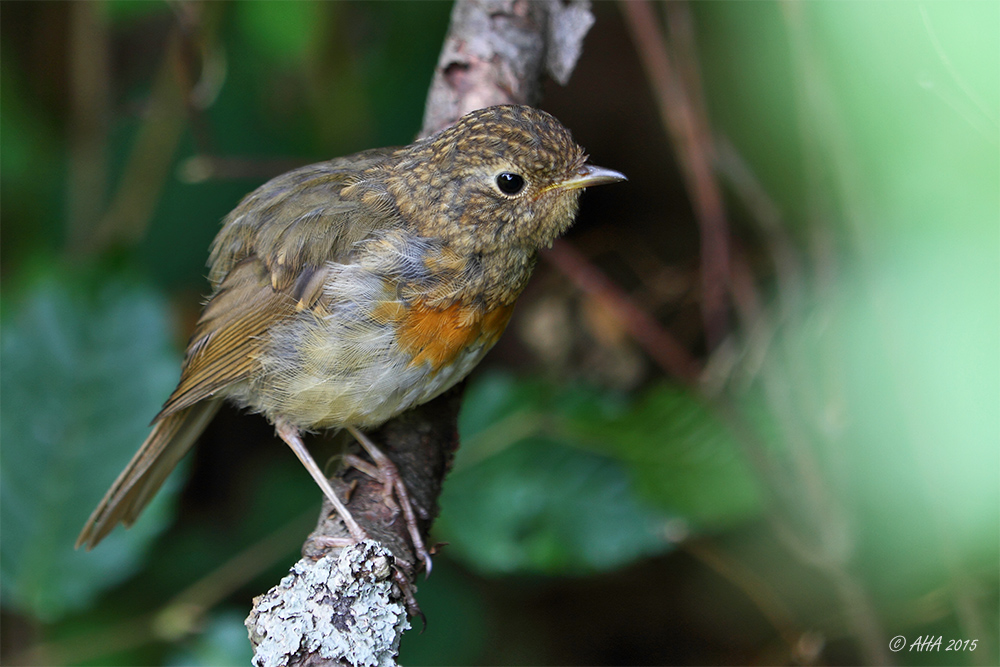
<point x="438" y="336"/>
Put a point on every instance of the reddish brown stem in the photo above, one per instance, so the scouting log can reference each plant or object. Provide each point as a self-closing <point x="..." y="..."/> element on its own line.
<point x="670" y="355"/>
<point x="680" y="110"/>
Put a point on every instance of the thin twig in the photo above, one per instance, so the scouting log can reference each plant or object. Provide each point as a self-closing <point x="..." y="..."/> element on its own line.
<point x="753" y="586"/>
<point x="181" y="614"/>
<point x="766" y="214"/>
<point x="204" y="167"/>
<point x="89" y="100"/>
<point x="670" y="355"/>
<point x="193" y="58"/>
<point x="688" y="130"/>
<point x="148" y="163"/>
<point x="821" y="144"/>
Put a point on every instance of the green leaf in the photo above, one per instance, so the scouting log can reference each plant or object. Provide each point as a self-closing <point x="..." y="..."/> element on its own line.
<point x="495" y="396"/>
<point x="552" y="479"/>
<point x="680" y="455"/>
<point x="544" y="507"/>
<point x="84" y="368"/>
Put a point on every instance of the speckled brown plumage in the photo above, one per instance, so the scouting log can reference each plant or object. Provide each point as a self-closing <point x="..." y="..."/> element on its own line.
<point x="348" y="291"/>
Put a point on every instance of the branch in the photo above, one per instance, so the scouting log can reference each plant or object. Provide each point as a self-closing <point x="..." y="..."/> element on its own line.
<point x="496" y="52"/>
<point x="350" y="609"/>
<point x="683" y="113"/>
<point x="334" y="609"/>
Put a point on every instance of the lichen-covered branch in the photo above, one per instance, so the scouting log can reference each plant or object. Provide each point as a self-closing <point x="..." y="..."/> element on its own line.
<point x="335" y="608"/>
<point x="350" y="608"/>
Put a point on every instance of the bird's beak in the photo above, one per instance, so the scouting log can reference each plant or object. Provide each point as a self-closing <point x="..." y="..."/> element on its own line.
<point x="589" y="175"/>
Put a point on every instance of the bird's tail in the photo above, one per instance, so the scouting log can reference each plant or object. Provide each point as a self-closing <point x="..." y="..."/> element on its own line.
<point x="166" y="445"/>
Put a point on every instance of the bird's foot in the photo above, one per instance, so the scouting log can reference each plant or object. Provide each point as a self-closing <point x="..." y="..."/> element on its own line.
<point x="394" y="491"/>
<point x="378" y="474"/>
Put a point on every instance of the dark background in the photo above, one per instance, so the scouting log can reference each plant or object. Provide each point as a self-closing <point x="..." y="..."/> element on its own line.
<point x="829" y="482"/>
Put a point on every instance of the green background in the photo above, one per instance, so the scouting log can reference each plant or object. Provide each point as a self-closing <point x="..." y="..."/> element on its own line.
<point x="830" y="483"/>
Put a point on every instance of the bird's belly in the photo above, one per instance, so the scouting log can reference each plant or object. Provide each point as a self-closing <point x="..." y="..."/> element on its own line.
<point x="368" y="395"/>
<point x="363" y="363"/>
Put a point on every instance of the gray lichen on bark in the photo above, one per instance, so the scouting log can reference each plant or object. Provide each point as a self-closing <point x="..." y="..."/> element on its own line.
<point x="339" y="609"/>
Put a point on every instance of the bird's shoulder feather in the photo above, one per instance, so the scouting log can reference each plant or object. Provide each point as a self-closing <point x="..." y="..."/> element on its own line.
<point x="271" y="259"/>
<point x="306" y="217"/>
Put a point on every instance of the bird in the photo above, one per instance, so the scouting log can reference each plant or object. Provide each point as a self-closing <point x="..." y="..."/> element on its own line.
<point x="346" y="292"/>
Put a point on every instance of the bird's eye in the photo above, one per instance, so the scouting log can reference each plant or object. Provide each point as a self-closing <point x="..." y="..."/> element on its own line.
<point x="510" y="183"/>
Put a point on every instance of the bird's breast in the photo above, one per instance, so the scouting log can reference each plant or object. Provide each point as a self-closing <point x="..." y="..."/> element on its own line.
<point x="437" y="337"/>
<point x="391" y="332"/>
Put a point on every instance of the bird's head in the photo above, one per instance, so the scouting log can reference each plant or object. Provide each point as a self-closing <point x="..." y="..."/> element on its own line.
<point x="501" y="177"/>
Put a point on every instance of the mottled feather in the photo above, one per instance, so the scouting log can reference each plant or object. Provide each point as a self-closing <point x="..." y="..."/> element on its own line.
<point x="346" y="292"/>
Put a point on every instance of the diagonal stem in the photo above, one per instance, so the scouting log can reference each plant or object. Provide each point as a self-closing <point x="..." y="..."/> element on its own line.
<point x="682" y="115"/>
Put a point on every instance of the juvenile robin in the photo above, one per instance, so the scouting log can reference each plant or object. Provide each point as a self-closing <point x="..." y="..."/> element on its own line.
<point x="346" y="292"/>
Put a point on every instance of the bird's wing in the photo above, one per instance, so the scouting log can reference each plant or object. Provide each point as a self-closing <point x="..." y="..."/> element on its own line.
<point x="269" y="262"/>
<point x="168" y="442"/>
<point x="306" y="217"/>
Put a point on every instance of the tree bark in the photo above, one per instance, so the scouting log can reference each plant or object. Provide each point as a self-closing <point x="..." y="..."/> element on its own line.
<point x="349" y="606"/>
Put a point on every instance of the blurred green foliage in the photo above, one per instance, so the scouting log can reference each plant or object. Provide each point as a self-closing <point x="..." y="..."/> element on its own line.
<point x="83" y="366"/>
<point x="222" y="642"/>
<point x="853" y="440"/>
<point x="884" y="373"/>
<point x="553" y="479"/>
<point x="533" y="503"/>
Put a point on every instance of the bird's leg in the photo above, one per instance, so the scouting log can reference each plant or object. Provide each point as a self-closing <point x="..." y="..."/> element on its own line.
<point x="374" y="472"/>
<point x="290" y="435"/>
<point x="394" y="485"/>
